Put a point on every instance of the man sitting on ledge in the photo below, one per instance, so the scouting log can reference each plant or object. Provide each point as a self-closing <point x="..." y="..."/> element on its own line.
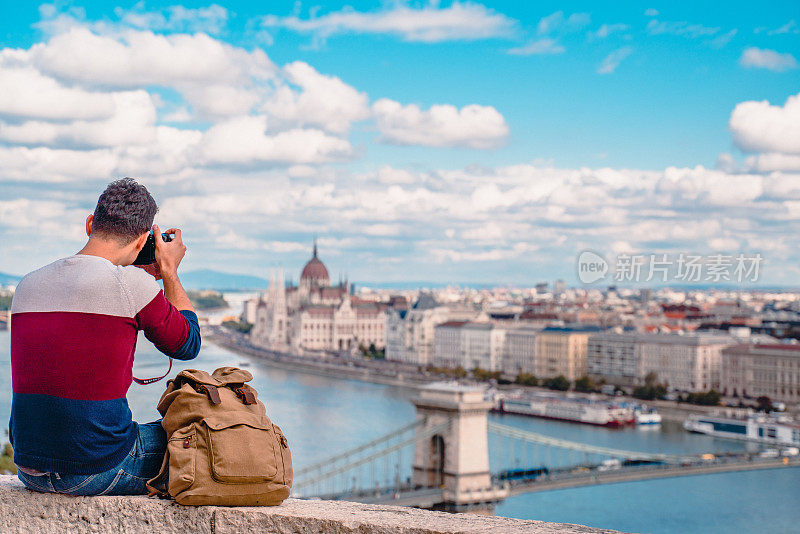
<point x="74" y="325"/>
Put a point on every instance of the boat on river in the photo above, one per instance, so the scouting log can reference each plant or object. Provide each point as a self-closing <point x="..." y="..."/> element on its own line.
<point x="780" y="430"/>
<point x="572" y="409"/>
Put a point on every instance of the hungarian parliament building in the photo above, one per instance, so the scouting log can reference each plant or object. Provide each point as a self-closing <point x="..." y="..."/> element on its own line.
<point x="315" y="315"/>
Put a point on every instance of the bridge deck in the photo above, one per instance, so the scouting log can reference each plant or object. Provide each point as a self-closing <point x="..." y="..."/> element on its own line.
<point x="632" y="474"/>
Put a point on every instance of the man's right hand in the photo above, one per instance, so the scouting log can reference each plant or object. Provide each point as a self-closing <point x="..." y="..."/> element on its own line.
<point x="169" y="254"/>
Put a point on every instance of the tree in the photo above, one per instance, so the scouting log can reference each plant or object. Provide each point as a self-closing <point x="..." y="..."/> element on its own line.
<point x="651" y="389"/>
<point x="527" y="379"/>
<point x="764" y="404"/>
<point x="704" y="398"/>
<point x="482" y="374"/>
<point x="585" y="384"/>
<point x="559" y="383"/>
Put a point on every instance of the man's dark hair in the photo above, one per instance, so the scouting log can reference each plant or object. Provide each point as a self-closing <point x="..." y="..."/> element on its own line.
<point x="124" y="211"/>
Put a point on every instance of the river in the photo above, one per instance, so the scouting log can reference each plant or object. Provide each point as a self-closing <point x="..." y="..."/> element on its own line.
<point x="322" y="415"/>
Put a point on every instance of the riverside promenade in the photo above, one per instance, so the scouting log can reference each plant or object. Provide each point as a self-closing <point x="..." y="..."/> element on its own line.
<point x="25" y="512"/>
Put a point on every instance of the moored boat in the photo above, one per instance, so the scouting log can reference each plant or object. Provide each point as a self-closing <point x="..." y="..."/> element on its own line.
<point x="575" y="410"/>
<point x="753" y="427"/>
<point x="644" y="415"/>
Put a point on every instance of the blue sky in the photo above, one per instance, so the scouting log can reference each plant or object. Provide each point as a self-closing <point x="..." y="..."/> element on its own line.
<point x="465" y="142"/>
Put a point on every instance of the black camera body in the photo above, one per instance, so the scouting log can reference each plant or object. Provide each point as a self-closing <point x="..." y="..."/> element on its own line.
<point x="147" y="255"/>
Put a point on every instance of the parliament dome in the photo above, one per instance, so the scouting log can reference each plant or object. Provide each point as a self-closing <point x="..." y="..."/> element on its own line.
<point x="315" y="270"/>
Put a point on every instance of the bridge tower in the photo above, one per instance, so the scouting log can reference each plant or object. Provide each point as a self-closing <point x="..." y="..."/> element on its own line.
<point x="457" y="458"/>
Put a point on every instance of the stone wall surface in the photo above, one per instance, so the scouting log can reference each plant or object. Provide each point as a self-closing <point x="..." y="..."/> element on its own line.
<point x="24" y="511"/>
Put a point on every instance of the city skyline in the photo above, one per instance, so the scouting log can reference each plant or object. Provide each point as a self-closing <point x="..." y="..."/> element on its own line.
<point x="444" y="142"/>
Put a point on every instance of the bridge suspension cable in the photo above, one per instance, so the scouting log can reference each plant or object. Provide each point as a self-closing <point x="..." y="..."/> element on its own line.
<point x="356" y="450"/>
<point x="533" y="437"/>
<point x="333" y="471"/>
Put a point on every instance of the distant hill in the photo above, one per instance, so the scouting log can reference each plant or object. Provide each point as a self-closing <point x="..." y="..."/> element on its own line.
<point x="8" y="279"/>
<point x="209" y="279"/>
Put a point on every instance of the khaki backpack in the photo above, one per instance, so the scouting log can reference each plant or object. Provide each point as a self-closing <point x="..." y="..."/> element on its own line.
<point x="222" y="449"/>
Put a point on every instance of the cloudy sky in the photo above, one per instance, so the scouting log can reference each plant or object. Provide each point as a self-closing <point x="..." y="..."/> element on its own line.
<point x="443" y="142"/>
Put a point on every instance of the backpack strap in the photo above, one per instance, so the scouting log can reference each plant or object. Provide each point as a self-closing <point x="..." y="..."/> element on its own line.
<point x="211" y="391"/>
<point x="157" y="486"/>
<point x="244" y="392"/>
<point x="145" y="381"/>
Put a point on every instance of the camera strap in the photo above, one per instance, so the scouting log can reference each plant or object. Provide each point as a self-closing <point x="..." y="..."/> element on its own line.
<point x="146" y="381"/>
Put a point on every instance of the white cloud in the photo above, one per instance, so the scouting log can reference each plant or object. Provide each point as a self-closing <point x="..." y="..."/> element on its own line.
<point x="613" y="60"/>
<point x="141" y="58"/>
<point x="771" y="162"/>
<point x="131" y="122"/>
<point x="323" y="101"/>
<point x="538" y="47"/>
<point x="762" y="58"/>
<point x="682" y="28"/>
<point x="429" y="23"/>
<point x="472" y="126"/>
<point x="607" y="29"/>
<point x="789" y="27"/>
<point x="211" y="19"/>
<point x="650" y="12"/>
<point x="722" y="40"/>
<point x="244" y="140"/>
<point x="26" y="93"/>
<point x="762" y="127"/>
<point x="558" y="22"/>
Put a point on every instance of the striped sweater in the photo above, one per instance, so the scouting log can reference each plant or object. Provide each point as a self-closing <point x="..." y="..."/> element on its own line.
<point x="74" y="325"/>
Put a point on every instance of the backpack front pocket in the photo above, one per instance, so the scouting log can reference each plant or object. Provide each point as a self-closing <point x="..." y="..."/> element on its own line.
<point x="243" y="451"/>
<point x="182" y="448"/>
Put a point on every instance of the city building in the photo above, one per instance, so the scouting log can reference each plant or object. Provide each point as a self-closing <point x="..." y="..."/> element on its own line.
<point x="410" y="332"/>
<point x="519" y="355"/>
<point x="469" y="345"/>
<point x="689" y="362"/>
<point x="615" y="358"/>
<point x="762" y="370"/>
<point x="315" y="315"/>
<point x="562" y="351"/>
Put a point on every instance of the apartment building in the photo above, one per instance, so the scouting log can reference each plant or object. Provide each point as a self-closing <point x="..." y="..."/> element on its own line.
<point x="562" y="351"/>
<point x="520" y="350"/>
<point x="685" y="362"/>
<point x="762" y="370"/>
<point x="469" y="345"/>
<point x="410" y="333"/>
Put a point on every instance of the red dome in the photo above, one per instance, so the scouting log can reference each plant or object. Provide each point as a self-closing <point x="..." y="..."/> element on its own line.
<point x="315" y="269"/>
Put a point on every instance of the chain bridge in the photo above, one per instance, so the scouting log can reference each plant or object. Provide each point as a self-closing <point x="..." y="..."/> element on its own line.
<point x="442" y="460"/>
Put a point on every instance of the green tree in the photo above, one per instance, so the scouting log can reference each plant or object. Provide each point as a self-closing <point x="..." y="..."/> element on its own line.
<point x="585" y="384"/>
<point x="482" y="374"/>
<point x="527" y="379"/>
<point x="559" y="383"/>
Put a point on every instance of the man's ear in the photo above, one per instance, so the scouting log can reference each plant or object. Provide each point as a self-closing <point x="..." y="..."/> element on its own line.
<point x="89" y="220"/>
<point x="141" y="241"/>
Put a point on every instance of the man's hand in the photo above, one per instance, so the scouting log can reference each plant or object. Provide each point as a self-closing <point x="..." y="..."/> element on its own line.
<point x="152" y="270"/>
<point x="168" y="255"/>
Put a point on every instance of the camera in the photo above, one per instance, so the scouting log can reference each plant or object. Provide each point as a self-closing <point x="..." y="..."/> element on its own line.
<point x="147" y="255"/>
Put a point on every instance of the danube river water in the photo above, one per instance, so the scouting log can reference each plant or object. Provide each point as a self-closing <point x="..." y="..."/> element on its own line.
<point x="322" y="416"/>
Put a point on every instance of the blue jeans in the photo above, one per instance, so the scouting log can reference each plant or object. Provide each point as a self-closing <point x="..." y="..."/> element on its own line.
<point x="128" y="478"/>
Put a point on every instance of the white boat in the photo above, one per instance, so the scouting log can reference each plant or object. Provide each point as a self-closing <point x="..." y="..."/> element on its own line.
<point x="646" y="416"/>
<point x="754" y="427"/>
<point x="576" y="410"/>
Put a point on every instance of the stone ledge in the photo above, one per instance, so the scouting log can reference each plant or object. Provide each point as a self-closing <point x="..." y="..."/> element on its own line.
<point x="24" y="511"/>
